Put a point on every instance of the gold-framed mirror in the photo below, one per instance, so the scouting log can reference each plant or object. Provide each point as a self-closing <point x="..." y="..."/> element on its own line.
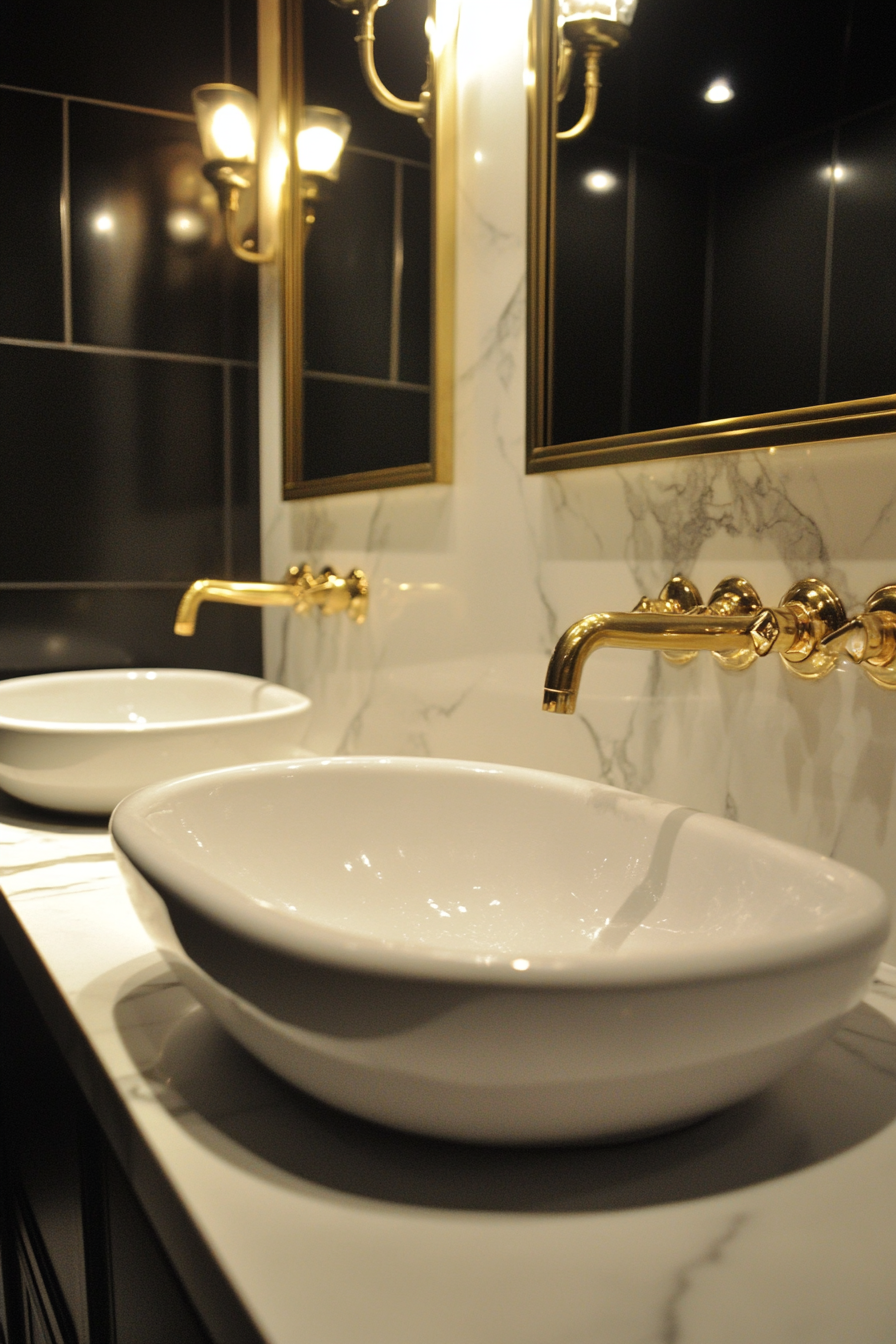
<point x="367" y="251"/>
<point x="712" y="253"/>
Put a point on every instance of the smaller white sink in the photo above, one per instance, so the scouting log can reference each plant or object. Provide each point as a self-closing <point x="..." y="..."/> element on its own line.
<point x="82" y="741"/>
<point x="489" y="953"/>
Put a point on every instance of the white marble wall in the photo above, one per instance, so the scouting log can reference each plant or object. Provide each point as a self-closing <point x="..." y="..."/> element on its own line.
<point x="471" y="583"/>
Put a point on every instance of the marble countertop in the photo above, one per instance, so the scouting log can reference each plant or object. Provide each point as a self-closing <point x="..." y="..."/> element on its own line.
<point x="775" y="1221"/>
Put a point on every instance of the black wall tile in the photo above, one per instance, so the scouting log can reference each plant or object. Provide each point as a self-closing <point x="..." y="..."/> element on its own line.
<point x="62" y="630"/>
<point x="148" y="53"/>
<point x="243" y="17"/>
<point x="245" y="503"/>
<point x="590" y="293"/>
<point x="333" y="74"/>
<point x="348" y="272"/>
<point x="395" y="428"/>
<point x="671" y="217"/>
<point x="139" y="281"/>
<point x="770" y="232"/>
<point x="862" y="352"/>
<point x="31" y="302"/>
<point x="118" y="467"/>
<point x="415" y="288"/>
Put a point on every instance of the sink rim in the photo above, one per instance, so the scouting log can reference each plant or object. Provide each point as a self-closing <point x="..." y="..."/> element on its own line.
<point x="295" y="702"/>
<point x="179" y="880"/>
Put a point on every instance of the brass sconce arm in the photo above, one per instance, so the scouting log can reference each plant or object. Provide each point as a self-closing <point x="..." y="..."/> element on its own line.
<point x="592" y="88"/>
<point x="301" y="589"/>
<point x="365" y="38"/>
<point x="229" y="183"/>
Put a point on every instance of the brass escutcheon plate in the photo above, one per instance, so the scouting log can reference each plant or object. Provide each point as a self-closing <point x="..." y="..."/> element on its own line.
<point x="822" y="612"/>
<point x="733" y="597"/>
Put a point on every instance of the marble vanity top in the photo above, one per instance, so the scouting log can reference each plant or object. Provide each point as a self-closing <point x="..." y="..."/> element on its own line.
<point x="775" y="1221"/>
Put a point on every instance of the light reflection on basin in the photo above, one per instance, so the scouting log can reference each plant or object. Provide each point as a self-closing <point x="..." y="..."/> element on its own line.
<point x="496" y="954"/>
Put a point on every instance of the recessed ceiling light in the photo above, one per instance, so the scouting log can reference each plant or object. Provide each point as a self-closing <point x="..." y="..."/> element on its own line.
<point x="103" y="223"/>
<point x="835" y="171"/>
<point x="600" y="180"/>
<point x="719" y="91"/>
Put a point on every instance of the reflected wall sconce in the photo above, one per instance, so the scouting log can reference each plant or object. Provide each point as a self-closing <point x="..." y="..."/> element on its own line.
<point x="589" y="27"/>
<point x="422" y="109"/>
<point x="227" y="121"/>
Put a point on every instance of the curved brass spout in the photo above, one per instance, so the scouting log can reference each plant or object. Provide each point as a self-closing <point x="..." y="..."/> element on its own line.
<point x="301" y="589"/>
<point x="675" y="631"/>
<point x="734" y="626"/>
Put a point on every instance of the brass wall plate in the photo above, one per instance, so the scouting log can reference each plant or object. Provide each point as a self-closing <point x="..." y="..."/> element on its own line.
<point x="731" y="597"/>
<point x="825" y="613"/>
<point x="882" y="599"/>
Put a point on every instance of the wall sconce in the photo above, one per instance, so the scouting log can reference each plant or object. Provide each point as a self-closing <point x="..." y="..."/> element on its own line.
<point x="323" y="132"/>
<point x="590" y="27"/>
<point x="227" y="120"/>
<point x="422" y="109"/>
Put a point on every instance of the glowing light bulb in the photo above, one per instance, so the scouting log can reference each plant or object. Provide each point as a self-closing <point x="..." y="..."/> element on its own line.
<point x="185" y="226"/>
<point x="834" y="172"/>
<point x="103" y="223"/>
<point x="600" y="180"/>
<point x="319" y="148"/>
<point x="719" y="91"/>
<point x="232" y="133"/>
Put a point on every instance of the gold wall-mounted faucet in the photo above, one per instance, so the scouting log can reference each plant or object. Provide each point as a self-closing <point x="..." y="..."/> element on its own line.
<point x="809" y="629"/>
<point x="301" y="589"/>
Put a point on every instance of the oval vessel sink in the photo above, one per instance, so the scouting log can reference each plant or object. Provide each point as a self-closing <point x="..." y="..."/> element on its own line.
<point x="82" y="741"/>
<point x="488" y="953"/>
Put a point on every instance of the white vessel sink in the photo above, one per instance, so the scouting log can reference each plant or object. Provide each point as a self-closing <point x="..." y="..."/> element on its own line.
<point x="82" y="741"/>
<point x="488" y="953"/>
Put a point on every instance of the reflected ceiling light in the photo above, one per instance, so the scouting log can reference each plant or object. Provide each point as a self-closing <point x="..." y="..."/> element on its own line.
<point x="323" y="132"/>
<point x="834" y="172"/>
<point x="600" y="180"/>
<point x="589" y="27"/>
<point x="719" y="91"/>
<point x="436" y="34"/>
<point x="103" y="223"/>
<point x="185" y="226"/>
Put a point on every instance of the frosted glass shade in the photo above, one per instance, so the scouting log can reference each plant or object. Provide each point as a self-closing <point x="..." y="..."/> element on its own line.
<point x="227" y="121"/>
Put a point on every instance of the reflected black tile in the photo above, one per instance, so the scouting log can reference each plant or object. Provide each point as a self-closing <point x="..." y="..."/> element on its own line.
<point x="348" y="271"/>
<point x="31" y="303"/>
<point x="671" y="217"/>
<point x="333" y="74"/>
<point x="349" y="428"/>
<point x="243" y="18"/>
<point x="589" y="305"/>
<point x="61" y="630"/>
<point x="415" y="287"/>
<point x="244" y="475"/>
<point x="150" y="267"/>
<point x="862" y="357"/>
<point x="149" y="53"/>
<point x="768" y="288"/>
<point x="118" y="467"/>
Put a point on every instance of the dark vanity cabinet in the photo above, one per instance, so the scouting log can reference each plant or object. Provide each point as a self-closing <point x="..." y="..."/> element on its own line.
<point x="81" y="1262"/>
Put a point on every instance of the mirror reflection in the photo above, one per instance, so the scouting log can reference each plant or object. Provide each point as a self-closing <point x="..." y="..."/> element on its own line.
<point x="712" y="220"/>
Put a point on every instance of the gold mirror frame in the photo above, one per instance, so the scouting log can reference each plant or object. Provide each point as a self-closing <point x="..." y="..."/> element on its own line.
<point x="805" y="424"/>
<point x="442" y="262"/>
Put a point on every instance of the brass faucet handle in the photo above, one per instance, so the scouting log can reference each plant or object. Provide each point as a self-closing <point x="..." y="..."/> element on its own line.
<point x="329" y="592"/>
<point x="818" y="614"/>
<point x="869" y="639"/>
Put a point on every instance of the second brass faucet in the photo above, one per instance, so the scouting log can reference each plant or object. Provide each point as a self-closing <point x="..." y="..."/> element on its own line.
<point x="809" y="629"/>
<point x="301" y="589"/>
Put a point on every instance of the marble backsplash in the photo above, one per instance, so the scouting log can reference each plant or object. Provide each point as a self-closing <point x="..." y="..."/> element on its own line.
<point x="472" y="583"/>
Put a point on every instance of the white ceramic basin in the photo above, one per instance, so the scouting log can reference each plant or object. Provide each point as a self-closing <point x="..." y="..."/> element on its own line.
<point x="82" y="741"/>
<point x="489" y="953"/>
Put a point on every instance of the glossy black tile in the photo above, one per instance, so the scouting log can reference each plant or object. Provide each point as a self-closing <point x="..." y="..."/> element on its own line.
<point x="348" y="272"/>
<point x="768" y="288"/>
<point x="671" y="217"/>
<point x="118" y="467"/>
<point x="590" y="291"/>
<point x="242" y="19"/>
<point x="395" y="428"/>
<point x="148" y="53"/>
<point x="333" y="75"/>
<point x="45" y="630"/>
<point x="415" y="287"/>
<point x="245" y="549"/>
<point x="150" y="267"/>
<point x="31" y="300"/>
<point x="862" y="351"/>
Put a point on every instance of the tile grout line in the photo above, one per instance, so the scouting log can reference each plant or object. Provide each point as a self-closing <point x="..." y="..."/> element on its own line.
<point x="125" y="352"/>
<point x="629" y="299"/>
<point x="397" y="273"/>
<point x="91" y="585"/>
<point x="227" y="471"/>
<point x="98" y="102"/>
<point x="65" y="221"/>
<point x="361" y="380"/>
